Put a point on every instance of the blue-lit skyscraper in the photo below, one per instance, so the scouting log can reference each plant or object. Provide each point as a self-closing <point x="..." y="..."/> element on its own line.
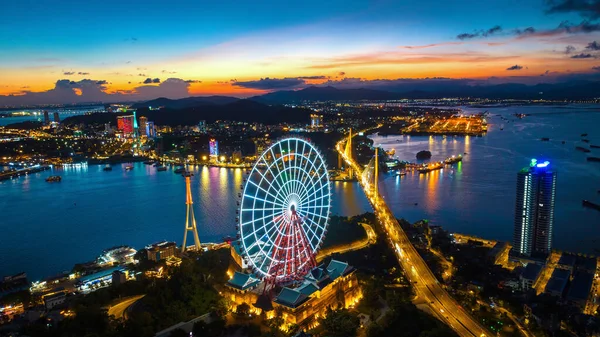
<point x="534" y="210"/>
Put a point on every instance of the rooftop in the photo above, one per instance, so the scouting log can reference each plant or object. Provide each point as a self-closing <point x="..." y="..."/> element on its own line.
<point x="567" y="260"/>
<point x="290" y="297"/>
<point x="581" y="285"/>
<point x="558" y="281"/>
<point x="243" y="281"/>
<point x="532" y="271"/>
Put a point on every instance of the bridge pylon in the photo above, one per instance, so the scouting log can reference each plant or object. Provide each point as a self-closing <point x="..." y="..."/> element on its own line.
<point x="190" y="220"/>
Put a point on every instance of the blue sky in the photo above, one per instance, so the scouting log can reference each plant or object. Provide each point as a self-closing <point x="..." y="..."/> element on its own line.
<point x="210" y="43"/>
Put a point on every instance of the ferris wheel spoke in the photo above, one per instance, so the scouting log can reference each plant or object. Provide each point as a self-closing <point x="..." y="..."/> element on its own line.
<point x="263" y="177"/>
<point x="275" y="176"/>
<point x="319" y="190"/>
<point x="314" y="234"/>
<point x="263" y="200"/>
<point x="280" y="203"/>
<point x="268" y="253"/>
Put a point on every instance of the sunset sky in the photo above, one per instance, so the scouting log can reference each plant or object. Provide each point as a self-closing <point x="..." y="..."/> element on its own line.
<point x="72" y="51"/>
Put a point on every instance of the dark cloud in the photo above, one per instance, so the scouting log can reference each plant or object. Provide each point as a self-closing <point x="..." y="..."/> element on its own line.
<point x="586" y="8"/>
<point x="569" y="49"/>
<point x="545" y="73"/>
<point x="131" y="39"/>
<point x="597" y="68"/>
<point x="582" y="56"/>
<point x="526" y="31"/>
<point x="193" y="81"/>
<point x="88" y="90"/>
<point x="82" y="73"/>
<point x="319" y="77"/>
<point x="142" y="75"/>
<point x="128" y="62"/>
<point x="593" y="46"/>
<point x="480" y="33"/>
<point x="270" y="83"/>
<point x="341" y="73"/>
<point x="515" y="67"/>
<point x="68" y="73"/>
<point x="150" y="80"/>
<point x="168" y="72"/>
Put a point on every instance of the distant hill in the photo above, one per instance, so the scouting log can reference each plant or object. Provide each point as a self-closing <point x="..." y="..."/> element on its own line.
<point x="239" y="110"/>
<point x="573" y="90"/>
<point x="324" y="94"/>
<point x="188" y="102"/>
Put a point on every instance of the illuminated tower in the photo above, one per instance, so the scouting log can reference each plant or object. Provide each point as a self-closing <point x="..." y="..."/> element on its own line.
<point x="190" y="220"/>
<point x="135" y="125"/>
<point x="534" y="209"/>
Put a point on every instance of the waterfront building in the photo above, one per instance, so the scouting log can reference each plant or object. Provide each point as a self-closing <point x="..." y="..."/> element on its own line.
<point x="53" y="300"/>
<point x="213" y="147"/>
<point x="119" y="277"/>
<point x="46" y="118"/>
<point x="161" y="251"/>
<point x="143" y="131"/>
<point x="534" y="209"/>
<point x="579" y="291"/>
<point x="125" y="125"/>
<point x="56" y="118"/>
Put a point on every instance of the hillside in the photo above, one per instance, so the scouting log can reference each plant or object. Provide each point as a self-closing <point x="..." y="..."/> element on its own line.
<point x="240" y="110"/>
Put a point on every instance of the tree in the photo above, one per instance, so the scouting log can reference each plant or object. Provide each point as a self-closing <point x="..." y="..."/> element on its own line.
<point x="340" y="323"/>
<point x="243" y="309"/>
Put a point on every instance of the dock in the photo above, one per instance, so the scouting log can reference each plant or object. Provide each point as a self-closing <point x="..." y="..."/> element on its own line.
<point x="22" y="172"/>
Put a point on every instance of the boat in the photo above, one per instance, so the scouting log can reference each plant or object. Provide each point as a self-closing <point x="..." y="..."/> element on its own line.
<point x="53" y="179"/>
<point x="161" y="168"/>
<point x="545" y="139"/>
<point x="187" y="173"/>
<point x="589" y="204"/>
<point x="585" y="140"/>
<point x="128" y="168"/>
<point x="400" y="173"/>
<point x="582" y="149"/>
<point x="453" y="159"/>
<point x="179" y="170"/>
<point x="430" y="167"/>
<point x="107" y="168"/>
<point x="593" y="158"/>
<point x="595" y="146"/>
<point x="149" y="162"/>
<point x="563" y="141"/>
<point x="584" y="135"/>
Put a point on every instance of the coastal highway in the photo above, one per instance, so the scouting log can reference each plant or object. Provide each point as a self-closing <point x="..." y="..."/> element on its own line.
<point x="424" y="282"/>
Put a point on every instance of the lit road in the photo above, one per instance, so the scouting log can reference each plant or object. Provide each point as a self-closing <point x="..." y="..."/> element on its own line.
<point x="356" y="245"/>
<point x="118" y="309"/>
<point x="424" y="282"/>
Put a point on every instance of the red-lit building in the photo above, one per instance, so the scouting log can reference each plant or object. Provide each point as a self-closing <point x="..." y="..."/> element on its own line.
<point x="125" y="124"/>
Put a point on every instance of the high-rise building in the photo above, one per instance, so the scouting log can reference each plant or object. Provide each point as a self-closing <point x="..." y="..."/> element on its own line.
<point x="534" y="209"/>
<point x="56" y="118"/>
<point x="46" y="118"/>
<point x="150" y="129"/>
<point x="316" y="121"/>
<point x="202" y="126"/>
<point x="213" y="148"/>
<point x="125" y="125"/>
<point x="142" y="126"/>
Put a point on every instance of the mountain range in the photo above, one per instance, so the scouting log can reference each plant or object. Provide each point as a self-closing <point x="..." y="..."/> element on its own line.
<point x="575" y="90"/>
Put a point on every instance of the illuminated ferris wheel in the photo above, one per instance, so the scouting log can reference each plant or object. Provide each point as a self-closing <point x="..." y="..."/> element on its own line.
<point x="284" y="210"/>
